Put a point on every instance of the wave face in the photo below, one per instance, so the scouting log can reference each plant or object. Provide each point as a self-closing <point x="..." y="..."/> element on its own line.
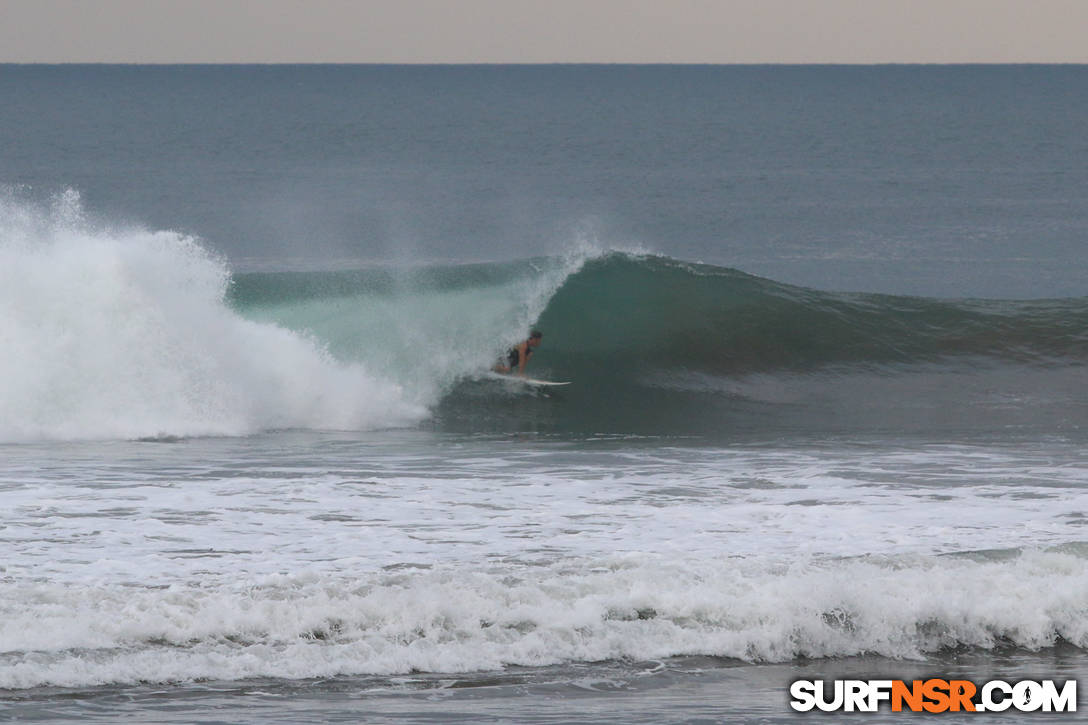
<point x="662" y="314"/>
<point x="655" y="345"/>
<point x="658" y="346"/>
<point x="132" y="333"/>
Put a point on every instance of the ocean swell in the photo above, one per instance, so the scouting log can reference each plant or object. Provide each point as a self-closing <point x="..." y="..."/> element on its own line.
<point x="132" y="333"/>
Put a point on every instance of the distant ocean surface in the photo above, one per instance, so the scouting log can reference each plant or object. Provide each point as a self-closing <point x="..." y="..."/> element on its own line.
<point x="825" y="327"/>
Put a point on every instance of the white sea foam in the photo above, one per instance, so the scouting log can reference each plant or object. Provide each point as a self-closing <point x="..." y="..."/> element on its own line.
<point x="162" y="515"/>
<point x="126" y="333"/>
<point x="457" y="620"/>
<point x="306" y="555"/>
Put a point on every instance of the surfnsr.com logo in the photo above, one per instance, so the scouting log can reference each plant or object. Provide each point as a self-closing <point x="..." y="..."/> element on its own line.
<point x="933" y="695"/>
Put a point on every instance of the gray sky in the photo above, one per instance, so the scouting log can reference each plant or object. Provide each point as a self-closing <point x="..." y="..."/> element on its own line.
<point x="532" y="31"/>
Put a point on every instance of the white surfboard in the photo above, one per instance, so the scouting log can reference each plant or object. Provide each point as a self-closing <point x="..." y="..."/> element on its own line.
<point x="527" y="381"/>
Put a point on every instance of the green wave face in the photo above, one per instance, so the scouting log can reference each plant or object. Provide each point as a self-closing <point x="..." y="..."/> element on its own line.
<point x="673" y="315"/>
<point x="656" y="345"/>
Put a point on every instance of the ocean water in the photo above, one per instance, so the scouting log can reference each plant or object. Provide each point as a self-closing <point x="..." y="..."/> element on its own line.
<point x="825" y="329"/>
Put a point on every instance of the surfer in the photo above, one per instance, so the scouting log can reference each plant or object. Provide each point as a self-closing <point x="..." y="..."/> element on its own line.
<point x="518" y="356"/>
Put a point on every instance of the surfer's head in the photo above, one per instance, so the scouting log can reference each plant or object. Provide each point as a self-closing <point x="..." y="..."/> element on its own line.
<point x="535" y="337"/>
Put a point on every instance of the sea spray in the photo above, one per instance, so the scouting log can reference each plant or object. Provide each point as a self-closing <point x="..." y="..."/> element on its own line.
<point x="425" y="327"/>
<point x="126" y="333"/>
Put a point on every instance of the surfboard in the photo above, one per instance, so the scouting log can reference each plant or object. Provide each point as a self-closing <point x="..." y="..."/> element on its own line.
<point x="534" y="382"/>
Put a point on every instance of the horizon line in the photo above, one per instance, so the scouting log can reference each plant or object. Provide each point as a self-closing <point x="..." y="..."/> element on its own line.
<point x="541" y="63"/>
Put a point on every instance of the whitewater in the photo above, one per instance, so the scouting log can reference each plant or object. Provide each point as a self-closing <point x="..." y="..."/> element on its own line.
<point x="128" y="333"/>
<point x="827" y="414"/>
<point x="217" y="477"/>
<point x="311" y="556"/>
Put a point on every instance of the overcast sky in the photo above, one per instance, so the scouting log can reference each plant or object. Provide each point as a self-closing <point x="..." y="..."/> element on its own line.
<point x="535" y="31"/>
